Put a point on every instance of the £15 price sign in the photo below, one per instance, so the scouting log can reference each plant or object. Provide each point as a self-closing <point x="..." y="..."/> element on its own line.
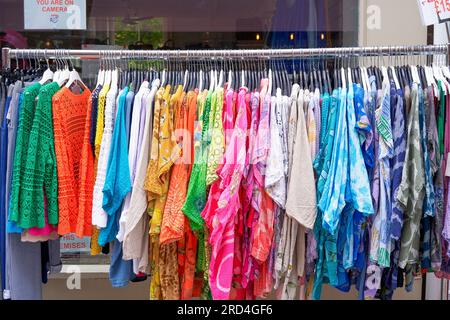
<point x="434" y="11"/>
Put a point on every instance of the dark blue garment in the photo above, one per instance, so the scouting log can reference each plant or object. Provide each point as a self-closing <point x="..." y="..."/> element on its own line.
<point x="392" y="279"/>
<point x="129" y="110"/>
<point x="428" y="202"/>
<point x="3" y="160"/>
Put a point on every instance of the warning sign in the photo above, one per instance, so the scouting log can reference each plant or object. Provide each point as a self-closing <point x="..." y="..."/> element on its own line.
<point x="55" y="14"/>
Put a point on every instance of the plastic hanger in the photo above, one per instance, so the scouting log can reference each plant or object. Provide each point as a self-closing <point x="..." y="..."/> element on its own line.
<point x="270" y="76"/>
<point x="443" y="71"/>
<point x="230" y="78"/>
<point x="384" y="72"/>
<point x="220" y="84"/>
<point x="242" y="75"/>
<point x="344" y="79"/>
<point x="101" y="74"/>
<point x="74" y="77"/>
<point x="435" y="75"/>
<point x="163" y="77"/>
<point x="48" y="73"/>
<point x="300" y="76"/>
<point x="57" y="72"/>
<point x="185" y="79"/>
<point x="200" y="84"/>
<point x="294" y="72"/>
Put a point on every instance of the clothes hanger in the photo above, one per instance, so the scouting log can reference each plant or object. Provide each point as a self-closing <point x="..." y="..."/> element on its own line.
<point x="258" y="73"/>
<point x="294" y="72"/>
<point x="211" y="76"/>
<point x="319" y="75"/>
<point x="276" y="78"/>
<point x="300" y="75"/>
<point x="164" y="72"/>
<point x="280" y="81"/>
<point x="251" y="75"/>
<point x="220" y="83"/>
<point x="200" y="83"/>
<point x="343" y="75"/>
<point x="122" y="72"/>
<point x="335" y="74"/>
<point x="206" y="72"/>
<point x="326" y="79"/>
<point x="114" y="75"/>
<point x="398" y="72"/>
<point x="28" y="72"/>
<point x="242" y="84"/>
<point x="185" y="78"/>
<point x="74" y="76"/>
<point x="287" y="78"/>
<point x="270" y="77"/>
<point x="57" y="72"/>
<point x="442" y="75"/>
<point x="230" y="75"/>
<point x="394" y="77"/>
<point x="195" y="75"/>
<point x="254" y="75"/>
<point x="191" y="72"/>
<point x="349" y="73"/>
<point x="101" y="72"/>
<point x="48" y="74"/>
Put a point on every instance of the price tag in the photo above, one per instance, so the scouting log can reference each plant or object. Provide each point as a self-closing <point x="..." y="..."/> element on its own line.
<point x="434" y="11"/>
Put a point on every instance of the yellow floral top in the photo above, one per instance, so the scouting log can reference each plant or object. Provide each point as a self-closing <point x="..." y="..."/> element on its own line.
<point x="217" y="145"/>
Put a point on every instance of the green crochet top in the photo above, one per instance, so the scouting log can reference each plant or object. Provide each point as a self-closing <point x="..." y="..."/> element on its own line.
<point x="196" y="194"/>
<point x="34" y="169"/>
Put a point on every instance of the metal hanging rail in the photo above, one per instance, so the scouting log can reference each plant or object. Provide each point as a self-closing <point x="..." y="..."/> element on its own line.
<point x="8" y="54"/>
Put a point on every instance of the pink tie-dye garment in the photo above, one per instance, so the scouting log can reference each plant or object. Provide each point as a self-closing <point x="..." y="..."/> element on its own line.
<point x="222" y="237"/>
<point x="249" y="184"/>
<point x="217" y="186"/>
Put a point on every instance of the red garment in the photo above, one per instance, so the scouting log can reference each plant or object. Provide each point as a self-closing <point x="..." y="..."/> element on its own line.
<point x="70" y="111"/>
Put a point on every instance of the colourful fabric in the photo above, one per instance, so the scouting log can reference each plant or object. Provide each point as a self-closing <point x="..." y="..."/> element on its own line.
<point x="412" y="188"/>
<point x="222" y="234"/>
<point x="333" y="198"/>
<point x="172" y="228"/>
<point x="69" y="116"/>
<point x="40" y="167"/>
<point x="380" y="250"/>
<point x="217" y="145"/>
<point x="26" y="116"/>
<point x="196" y="194"/>
<point x="117" y="180"/>
<point x="162" y="158"/>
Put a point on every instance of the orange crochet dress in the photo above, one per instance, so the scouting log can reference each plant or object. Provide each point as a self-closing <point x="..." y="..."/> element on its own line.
<point x="74" y="200"/>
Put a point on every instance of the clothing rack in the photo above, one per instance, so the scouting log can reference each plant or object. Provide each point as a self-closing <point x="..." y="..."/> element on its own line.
<point x="444" y="49"/>
<point x="9" y="54"/>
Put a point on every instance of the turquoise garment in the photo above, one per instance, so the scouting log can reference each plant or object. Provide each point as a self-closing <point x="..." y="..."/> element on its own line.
<point x="328" y="146"/>
<point x="333" y="201"/>
<point x="361" y="198"/>
<point x="344" y="196"/>
<point x="319" y="161"/>
<point x="118" y="181"/>
<point x="327" y="247"/>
